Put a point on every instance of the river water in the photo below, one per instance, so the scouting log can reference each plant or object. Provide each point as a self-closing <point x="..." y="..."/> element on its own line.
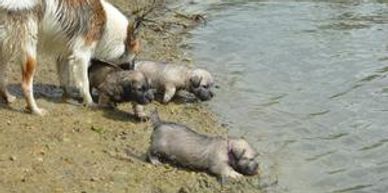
<point x="306" y="83"/>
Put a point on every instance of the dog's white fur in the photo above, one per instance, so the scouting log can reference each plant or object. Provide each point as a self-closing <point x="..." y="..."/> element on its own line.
<point x="116" y="28"/>
<point x="18" y="4"/>
<point x="54" y="22"/>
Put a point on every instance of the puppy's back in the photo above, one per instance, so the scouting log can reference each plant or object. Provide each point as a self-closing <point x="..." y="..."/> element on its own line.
<point x="182" y="145"/>
<point x="98" y="71"/>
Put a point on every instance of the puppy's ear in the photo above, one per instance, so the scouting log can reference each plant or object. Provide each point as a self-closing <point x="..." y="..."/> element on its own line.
<point x="237" y="149"/>
<point x="238" y="154"/>
<point x="195" y="81"/>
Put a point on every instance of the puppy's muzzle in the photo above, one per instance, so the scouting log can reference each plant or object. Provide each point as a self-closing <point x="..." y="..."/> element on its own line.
<point x="203" y="94"/>
<point x="248" y="167"/>
<point x="146" y="98"/>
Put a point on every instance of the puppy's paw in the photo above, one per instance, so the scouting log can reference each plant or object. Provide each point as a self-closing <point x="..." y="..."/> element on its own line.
<point x="142" y="118"/>
<point x="234" y="175"/>
<point x="10" y="98"/>
<point x="154" y="160"/>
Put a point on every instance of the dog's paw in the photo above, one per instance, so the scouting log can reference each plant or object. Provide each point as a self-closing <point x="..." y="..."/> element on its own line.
<point x="91" y="105"/>
<point x="38" y="111"/>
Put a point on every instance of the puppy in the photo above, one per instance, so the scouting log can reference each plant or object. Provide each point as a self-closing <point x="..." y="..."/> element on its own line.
<point x="116" y="85"/>
<point x="170" y="78"/>
<point x="75" y="30"/>
<point x="181" y="145"/>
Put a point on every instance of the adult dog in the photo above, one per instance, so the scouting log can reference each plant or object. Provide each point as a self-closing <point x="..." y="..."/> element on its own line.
<point x="77" y="30"/>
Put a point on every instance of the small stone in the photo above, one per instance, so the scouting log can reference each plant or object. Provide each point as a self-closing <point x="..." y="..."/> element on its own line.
<point x="12" y="158"/>
<point x="8" y="122"/>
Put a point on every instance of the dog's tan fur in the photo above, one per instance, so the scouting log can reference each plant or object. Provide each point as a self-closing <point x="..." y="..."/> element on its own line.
<point x="82" y="29"/>
<point x="110" y="81"/>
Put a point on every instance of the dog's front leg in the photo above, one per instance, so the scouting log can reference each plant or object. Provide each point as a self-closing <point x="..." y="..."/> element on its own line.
<point x="139" y="111"/>
<point x="79" y="62"/>
<point x="224" y="171"/>
<point x="169" y="92"/>
<point x="63" y="75"/>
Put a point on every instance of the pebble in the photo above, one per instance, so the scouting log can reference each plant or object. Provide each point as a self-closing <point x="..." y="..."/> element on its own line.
<point x="12" y="158"/>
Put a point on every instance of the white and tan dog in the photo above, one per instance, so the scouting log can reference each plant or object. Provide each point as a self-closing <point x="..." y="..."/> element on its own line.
<point x="76" y="30"/>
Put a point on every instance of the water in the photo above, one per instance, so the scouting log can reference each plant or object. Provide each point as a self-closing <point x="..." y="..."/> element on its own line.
<point x="305" y="82"/>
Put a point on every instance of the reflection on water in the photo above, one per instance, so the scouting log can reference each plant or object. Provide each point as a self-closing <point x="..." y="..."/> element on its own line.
<point x="306" y="82"/>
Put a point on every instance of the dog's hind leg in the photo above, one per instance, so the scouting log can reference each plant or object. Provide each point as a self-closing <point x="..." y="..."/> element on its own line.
<point x="5" y="56"/>
<point x="4" y="63"/>
<point x="30" y="63"/>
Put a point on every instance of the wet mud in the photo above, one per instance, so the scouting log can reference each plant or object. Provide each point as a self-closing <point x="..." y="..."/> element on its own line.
<point x="78" y="149"/>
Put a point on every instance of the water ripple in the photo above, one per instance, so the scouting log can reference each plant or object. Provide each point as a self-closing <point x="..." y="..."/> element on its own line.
<point x="353" y="188"/>
<point x="319" y="113"/>
<point x="320" y="156"/>
<point x="336" y="171"/>
<point x="373" y="146"/>
<point x="334" y="136"/>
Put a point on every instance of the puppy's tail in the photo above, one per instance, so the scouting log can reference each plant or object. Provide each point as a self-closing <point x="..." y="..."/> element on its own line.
<point x="154" y="118"/>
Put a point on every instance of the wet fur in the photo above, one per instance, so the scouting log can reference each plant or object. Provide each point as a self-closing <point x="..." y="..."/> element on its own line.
<point x="183" y="146"/>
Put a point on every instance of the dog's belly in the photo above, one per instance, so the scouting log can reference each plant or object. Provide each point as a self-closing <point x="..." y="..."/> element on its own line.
<point x="53" y="44"/>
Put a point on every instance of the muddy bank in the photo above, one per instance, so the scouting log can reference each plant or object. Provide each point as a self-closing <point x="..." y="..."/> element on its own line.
<point x="76" y="149"/>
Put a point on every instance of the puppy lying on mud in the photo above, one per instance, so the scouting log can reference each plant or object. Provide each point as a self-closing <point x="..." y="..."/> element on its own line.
<point x="170" y="78"/>
<point x="225" y="158"/>
<point x="116" y="85"/>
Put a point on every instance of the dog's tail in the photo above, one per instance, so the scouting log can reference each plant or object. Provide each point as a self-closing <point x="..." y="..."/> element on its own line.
<point x="154" y="118"/>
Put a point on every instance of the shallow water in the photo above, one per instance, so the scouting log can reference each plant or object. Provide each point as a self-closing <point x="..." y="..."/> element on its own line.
<point x="305" y="82"/>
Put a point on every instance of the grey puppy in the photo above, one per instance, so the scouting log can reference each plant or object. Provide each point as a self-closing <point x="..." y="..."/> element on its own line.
<point x="225" y="158"/>
<point x="170" y="78"/>
<point x="116" y="85"/>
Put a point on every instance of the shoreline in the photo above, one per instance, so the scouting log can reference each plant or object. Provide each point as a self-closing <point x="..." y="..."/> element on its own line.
<point x="75" y="149"/>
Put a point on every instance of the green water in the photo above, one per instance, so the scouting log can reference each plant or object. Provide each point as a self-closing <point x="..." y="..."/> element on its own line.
<point x="305" y="82"/>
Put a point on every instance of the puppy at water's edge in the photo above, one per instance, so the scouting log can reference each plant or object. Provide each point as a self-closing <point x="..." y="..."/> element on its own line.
<point x="168" y="79"/>
<point x="180" y="145"/>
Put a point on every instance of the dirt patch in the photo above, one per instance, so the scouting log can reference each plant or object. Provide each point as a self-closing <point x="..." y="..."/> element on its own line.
<point x="76" y="149"/>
